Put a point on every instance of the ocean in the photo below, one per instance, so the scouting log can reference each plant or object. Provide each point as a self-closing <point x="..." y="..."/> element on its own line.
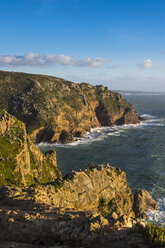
<point x="139" y="150"/>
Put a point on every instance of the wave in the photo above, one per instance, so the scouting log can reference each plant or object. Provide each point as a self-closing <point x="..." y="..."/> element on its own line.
<point x="158" y="217"/>
<point x="95" y="135"/>
<point x="147" y="116"/>
<point x="152" y="120"/>
<point x="99" y="134"/>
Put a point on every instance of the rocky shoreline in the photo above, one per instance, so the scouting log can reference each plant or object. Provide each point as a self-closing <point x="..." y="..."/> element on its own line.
<point x="55" y="110"/>
<point x="90" y="208"/>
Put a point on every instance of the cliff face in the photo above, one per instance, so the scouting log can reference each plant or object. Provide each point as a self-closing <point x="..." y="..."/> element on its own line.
<point x="55" y="110"/>
<point x="102" y="188"/>
<point x="91" y="208"/>
<point x="21" y="162"/>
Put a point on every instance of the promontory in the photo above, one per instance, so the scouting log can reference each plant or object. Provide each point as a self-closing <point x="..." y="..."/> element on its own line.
<point x="55" y="110"/>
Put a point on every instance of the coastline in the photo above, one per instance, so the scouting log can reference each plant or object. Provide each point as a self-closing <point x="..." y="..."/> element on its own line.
<point x="43" y="208"/>
<point x="98" y="136"/>
<point x="94" y="134"/>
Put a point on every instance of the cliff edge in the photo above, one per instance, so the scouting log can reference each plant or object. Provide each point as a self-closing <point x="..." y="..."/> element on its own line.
<point x="21" y="162"/>
<point x="91" y="208"/>
<point x="39" y="208"/>
<point x="56" y="110"/>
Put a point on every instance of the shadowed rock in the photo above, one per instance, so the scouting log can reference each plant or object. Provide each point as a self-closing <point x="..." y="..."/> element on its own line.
<point x="49" y="105"/>
<point x="143" y="201"/>
<point x="88" y="209"/>
<point x="66" y="137"/>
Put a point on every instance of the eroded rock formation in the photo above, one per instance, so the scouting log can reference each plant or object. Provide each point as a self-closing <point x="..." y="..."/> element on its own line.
<point x="90" y="208"/>
<point x="143" y="201"/>
<point x="50" y="106"/>
<point x="102" y="188"/>
<point x="21" y="162"/>
<point x="87" y="209"/>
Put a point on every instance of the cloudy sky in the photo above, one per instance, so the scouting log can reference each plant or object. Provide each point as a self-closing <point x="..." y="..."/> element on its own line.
<point x="118" y="43"/>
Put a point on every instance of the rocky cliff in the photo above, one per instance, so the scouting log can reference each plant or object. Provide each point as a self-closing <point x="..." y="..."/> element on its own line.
<point x="91" y="208"/>
<point x="55" y="110"/>
<point x="21" y="162"/>
<point x="101" y="188"/>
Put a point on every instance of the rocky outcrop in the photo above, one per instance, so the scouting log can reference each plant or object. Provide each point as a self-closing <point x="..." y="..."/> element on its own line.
<point x="66" y="137"/>
<point x="90" y="208"/>
<point x="86" y="209"/>
<point x="102" y="188"/>
<point x="143" y="202"/>
<point x="21" y="162"/>
<point x="48" y="228"/>
<point x="50" y="106"/>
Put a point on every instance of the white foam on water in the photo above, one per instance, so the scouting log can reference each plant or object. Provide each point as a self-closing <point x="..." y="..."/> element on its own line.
<point x="95" y="135"/>
<point x="148" y="116"/>
<point x="158" y="217"/>
<point x="152" y="120"/>
<point x="99" y="134"/>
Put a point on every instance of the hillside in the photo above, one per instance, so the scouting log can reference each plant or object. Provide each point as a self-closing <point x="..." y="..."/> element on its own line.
<point x="55" y="110"/>
<point x="90" y="208"/>
<point x="21" y="162"/>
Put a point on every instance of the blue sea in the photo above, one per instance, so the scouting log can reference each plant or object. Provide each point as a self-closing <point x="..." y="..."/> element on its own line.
<point x="139" y="150"/>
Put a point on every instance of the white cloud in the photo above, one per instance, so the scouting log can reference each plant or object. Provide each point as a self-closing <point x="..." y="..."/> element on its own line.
<point x="148" y="63"/>
<point x="91" y="62"/>
<point x="32" y="59"/>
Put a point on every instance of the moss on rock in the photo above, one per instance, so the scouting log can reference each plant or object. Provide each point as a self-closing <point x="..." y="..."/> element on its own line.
<point x="49" y="105"/>
<point x="21" y="162"/>
<point x="154" y="235"/>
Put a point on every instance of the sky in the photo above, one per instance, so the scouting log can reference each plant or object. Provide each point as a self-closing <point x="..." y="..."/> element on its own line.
<point x="117" y="43"/>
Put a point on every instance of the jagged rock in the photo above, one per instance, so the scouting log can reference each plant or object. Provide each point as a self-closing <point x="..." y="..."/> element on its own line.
<point x="97" y="221"/>
<point x="143" y="201"/>
<point x="21" y="161"/>
<point x="101" y="188"/>
<point x="143" y="118"/>
<point x="44" y="134"/>
<point x="78" y="134"/>
<point x="49" y="105"/>
<point x="76" y="212"/>
<point x="129" y="117"/>
<point x="29" y="223"/>
<point x="66" y="137"/>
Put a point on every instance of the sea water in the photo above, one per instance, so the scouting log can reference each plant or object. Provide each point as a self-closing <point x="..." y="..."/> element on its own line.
<point x="139" y="150"/>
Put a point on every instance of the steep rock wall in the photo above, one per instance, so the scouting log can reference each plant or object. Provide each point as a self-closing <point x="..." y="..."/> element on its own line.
<point x="21" y="162"/>
<point x="49" y="106"/>
<point x="102" y="188"/>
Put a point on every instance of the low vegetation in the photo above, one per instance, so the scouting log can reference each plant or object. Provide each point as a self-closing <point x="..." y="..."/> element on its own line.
<point x="154" y="235"/>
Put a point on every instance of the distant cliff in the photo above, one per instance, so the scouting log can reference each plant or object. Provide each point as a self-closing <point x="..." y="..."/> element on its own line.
<point x="55" y="110"/>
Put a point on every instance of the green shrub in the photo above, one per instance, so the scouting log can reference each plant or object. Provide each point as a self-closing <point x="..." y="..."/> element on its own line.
<point x="101" y="207"/>
<point x="154" y="235"/>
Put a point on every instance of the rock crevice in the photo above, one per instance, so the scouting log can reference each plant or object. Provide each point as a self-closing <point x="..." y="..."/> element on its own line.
<point x="50" y="106"/>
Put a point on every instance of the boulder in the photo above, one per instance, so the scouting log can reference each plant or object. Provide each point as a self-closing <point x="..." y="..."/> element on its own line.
<point x="143" y="202"/>
<point x="66" y="137"/>
<point x="143" y="118"/>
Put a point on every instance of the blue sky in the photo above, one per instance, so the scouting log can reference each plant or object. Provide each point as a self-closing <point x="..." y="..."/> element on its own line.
<point x="118" y="43"/>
